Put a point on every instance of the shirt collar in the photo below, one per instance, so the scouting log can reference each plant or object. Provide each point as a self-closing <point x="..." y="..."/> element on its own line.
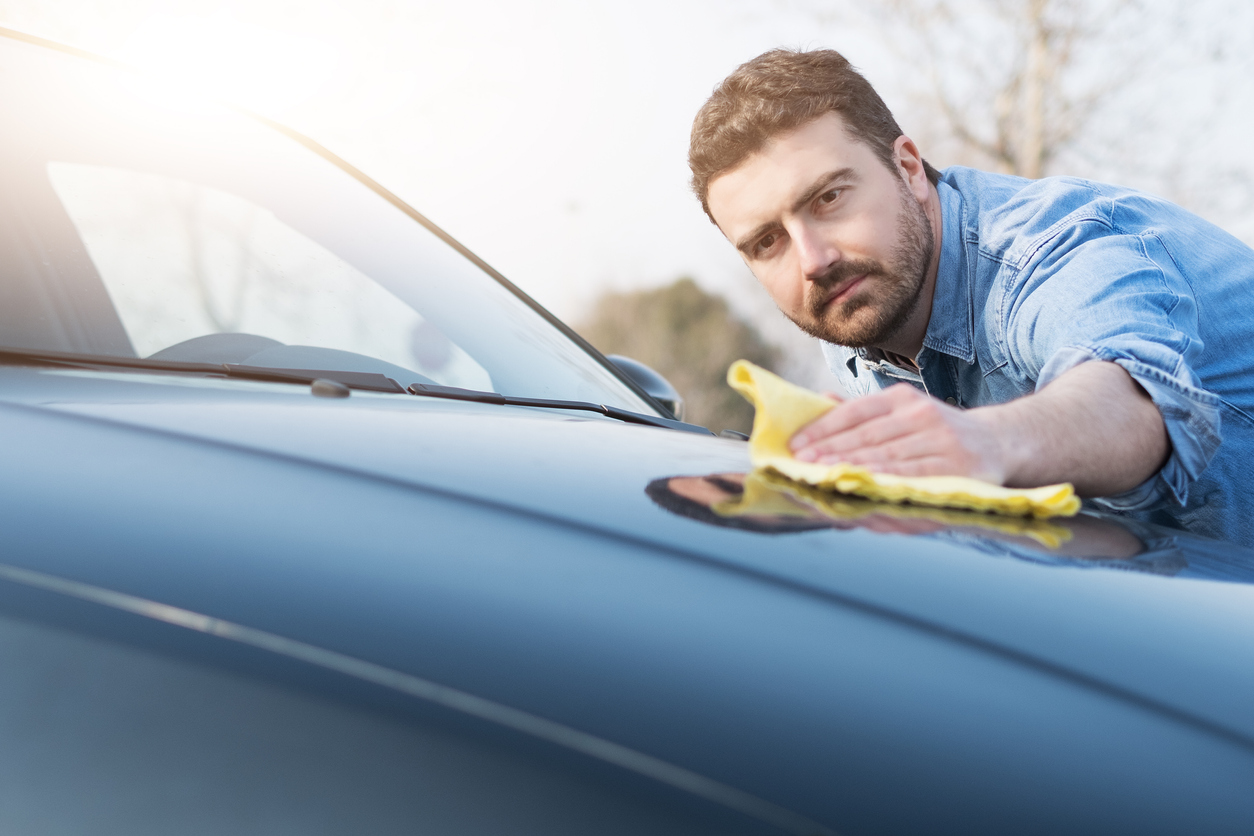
<point x="951" y="329"/>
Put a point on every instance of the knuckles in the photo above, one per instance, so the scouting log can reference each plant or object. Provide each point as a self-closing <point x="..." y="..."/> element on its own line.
<point x="948" y="448"/>
<point x="901" y="393"/>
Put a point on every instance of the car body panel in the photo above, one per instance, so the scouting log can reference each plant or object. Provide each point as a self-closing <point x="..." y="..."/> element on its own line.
<point x="590" y="473"/>
<point x="331" y="523"/>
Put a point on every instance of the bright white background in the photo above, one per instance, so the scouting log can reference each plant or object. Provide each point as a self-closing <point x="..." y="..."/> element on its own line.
<point x="551" y="136"/>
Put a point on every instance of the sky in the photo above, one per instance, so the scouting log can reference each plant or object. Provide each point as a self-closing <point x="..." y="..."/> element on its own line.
<point x="550" y="136"/>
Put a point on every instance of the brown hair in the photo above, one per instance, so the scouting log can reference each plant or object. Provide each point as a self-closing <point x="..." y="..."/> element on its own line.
<point x="776" y="92"/>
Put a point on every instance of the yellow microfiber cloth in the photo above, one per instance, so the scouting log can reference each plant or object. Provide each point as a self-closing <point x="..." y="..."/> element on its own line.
<point x="767" y="493"/>
<point x="782" y="409"/>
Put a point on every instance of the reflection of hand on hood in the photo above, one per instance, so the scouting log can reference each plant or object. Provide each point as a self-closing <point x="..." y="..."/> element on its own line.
<point x="693" y="497"/>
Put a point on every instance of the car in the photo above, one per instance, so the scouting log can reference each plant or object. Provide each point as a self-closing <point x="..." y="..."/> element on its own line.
<point x="314" y="523"/>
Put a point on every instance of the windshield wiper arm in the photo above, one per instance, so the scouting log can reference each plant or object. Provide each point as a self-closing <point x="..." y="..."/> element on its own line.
<point x="368" y="381"/>
<point x="476" y="396"/>
<point x="70" y="358"/>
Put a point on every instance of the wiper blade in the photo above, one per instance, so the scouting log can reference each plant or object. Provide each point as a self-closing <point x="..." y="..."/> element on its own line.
<point x="368" y="381"/>
<point x="70" y="358"/>
<point x="456" y="394"/>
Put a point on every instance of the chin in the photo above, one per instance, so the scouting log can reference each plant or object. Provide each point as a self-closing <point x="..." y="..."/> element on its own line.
<point x="861" y="329"/>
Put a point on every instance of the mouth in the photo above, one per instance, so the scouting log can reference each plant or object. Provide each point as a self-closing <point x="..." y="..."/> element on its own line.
<point x="843" y="291"/>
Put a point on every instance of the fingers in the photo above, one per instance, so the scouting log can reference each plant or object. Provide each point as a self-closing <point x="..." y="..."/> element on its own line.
<point x="848" y="416"/>
<point x="900" y="431"/>
<point x="908" y="446"/>
<point x="927" y="466"/>
<point x="877" y="438"/>
<point x="866" y="428"/>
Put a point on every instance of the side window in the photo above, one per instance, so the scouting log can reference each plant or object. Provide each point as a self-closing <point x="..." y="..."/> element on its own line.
<point x="108" y="739"/>
<point x="181" y="260"/>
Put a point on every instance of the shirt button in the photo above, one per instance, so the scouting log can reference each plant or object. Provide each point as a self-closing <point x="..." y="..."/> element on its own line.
<point x="951" y="401"/>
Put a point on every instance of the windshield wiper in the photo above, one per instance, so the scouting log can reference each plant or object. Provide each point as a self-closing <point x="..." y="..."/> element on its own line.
<point x="70" y="358"/>
<point x="476" y="396"/>
<point x="367" y="381"/>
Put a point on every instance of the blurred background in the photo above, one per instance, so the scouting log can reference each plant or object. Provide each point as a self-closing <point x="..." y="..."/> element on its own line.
<point x="551" y="137"/>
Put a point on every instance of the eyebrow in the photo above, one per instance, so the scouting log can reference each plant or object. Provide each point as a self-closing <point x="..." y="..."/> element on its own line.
<point x="823" y="182"/>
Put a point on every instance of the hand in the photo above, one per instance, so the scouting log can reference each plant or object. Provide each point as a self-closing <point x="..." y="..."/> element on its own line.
<point x="903" y="431"/>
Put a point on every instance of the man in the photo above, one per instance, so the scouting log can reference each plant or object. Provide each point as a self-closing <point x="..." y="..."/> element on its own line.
<point x="1045" y="331"/>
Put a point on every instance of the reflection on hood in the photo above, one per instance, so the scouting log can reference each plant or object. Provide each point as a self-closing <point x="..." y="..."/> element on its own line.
<point x="767" y="492"/>
<point x="765" y="502"/>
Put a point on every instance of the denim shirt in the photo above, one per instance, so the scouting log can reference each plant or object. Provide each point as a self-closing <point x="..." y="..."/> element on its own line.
<point x="1039" y="276"/>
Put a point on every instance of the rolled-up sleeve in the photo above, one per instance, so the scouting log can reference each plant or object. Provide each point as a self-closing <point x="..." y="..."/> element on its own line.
<point x="1114" y="298"/>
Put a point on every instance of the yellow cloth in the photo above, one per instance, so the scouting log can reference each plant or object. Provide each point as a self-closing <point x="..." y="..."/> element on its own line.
<point x="767" y="493"/>
<point x="782" y="409"/>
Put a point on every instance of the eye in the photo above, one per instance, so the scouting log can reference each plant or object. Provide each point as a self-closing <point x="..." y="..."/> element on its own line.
<point x="765" y="243"/>
<point x="829" y="196"/>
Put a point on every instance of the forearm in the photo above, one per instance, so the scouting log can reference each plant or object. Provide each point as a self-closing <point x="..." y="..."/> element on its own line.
<point x="1093" y="427"/>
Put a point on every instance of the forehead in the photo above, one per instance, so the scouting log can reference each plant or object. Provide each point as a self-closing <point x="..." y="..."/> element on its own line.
<point x="768" y="181"/>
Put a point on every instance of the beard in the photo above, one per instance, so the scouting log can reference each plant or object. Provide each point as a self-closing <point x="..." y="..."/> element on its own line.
<point x="888" y="296"/>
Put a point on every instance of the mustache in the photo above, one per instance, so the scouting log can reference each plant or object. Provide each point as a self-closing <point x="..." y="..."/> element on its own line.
<point x="837" y="274"/>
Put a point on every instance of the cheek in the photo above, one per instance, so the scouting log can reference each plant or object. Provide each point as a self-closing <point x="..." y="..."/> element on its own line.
<point x="870" y="234"/>
<point x="785" y="284"/>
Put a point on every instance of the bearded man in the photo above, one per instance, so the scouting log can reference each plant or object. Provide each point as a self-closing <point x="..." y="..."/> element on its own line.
<point x="1024" y="332"/>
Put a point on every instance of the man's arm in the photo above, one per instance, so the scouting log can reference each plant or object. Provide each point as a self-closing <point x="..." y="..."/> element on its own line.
<point x="1093" y="426"/>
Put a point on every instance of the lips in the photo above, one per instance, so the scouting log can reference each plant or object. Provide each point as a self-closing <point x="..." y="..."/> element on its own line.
<point x="839" y="285"/>
<point x="844" y="290"/>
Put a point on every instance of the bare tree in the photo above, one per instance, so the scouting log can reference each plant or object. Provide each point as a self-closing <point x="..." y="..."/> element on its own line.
<point x="1013" y="84"/>
<point x="1153" y="94"/>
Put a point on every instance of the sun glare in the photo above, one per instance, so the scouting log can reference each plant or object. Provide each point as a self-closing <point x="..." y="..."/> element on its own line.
<point x="268" y="71"/>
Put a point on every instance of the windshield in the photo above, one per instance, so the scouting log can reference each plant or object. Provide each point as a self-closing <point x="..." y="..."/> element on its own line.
<point x="135" y="225"/>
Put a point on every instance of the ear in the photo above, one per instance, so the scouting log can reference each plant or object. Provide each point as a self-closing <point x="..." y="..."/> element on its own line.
<point x="910" y="166"/>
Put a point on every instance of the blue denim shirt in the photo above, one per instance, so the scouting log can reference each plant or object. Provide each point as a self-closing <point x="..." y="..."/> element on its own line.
<point x="1039" y="276"/>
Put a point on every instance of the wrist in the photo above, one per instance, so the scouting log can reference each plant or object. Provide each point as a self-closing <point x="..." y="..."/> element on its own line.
<point x="1009" y="457"/>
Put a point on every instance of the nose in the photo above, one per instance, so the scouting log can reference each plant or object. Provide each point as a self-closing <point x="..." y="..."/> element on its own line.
<point x="815" y="254"/>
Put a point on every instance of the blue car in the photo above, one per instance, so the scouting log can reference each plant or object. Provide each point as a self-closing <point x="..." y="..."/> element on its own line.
<point x="314" y="524"/>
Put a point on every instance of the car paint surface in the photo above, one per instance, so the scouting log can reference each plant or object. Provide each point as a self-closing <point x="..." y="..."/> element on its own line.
<point x="512" y="554"/>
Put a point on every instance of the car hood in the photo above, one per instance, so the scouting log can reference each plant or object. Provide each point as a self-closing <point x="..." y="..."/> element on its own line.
<point x="1154" y="634"/>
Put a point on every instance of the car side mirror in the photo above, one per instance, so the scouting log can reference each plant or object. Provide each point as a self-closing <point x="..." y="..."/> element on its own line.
<point x="658" y="387"/>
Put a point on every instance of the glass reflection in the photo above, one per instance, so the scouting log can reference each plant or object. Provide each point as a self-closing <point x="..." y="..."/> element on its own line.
<point x="132" y="229"/>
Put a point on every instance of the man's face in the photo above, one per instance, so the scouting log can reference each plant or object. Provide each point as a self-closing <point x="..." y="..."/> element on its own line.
<point x="840" y="242"/>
